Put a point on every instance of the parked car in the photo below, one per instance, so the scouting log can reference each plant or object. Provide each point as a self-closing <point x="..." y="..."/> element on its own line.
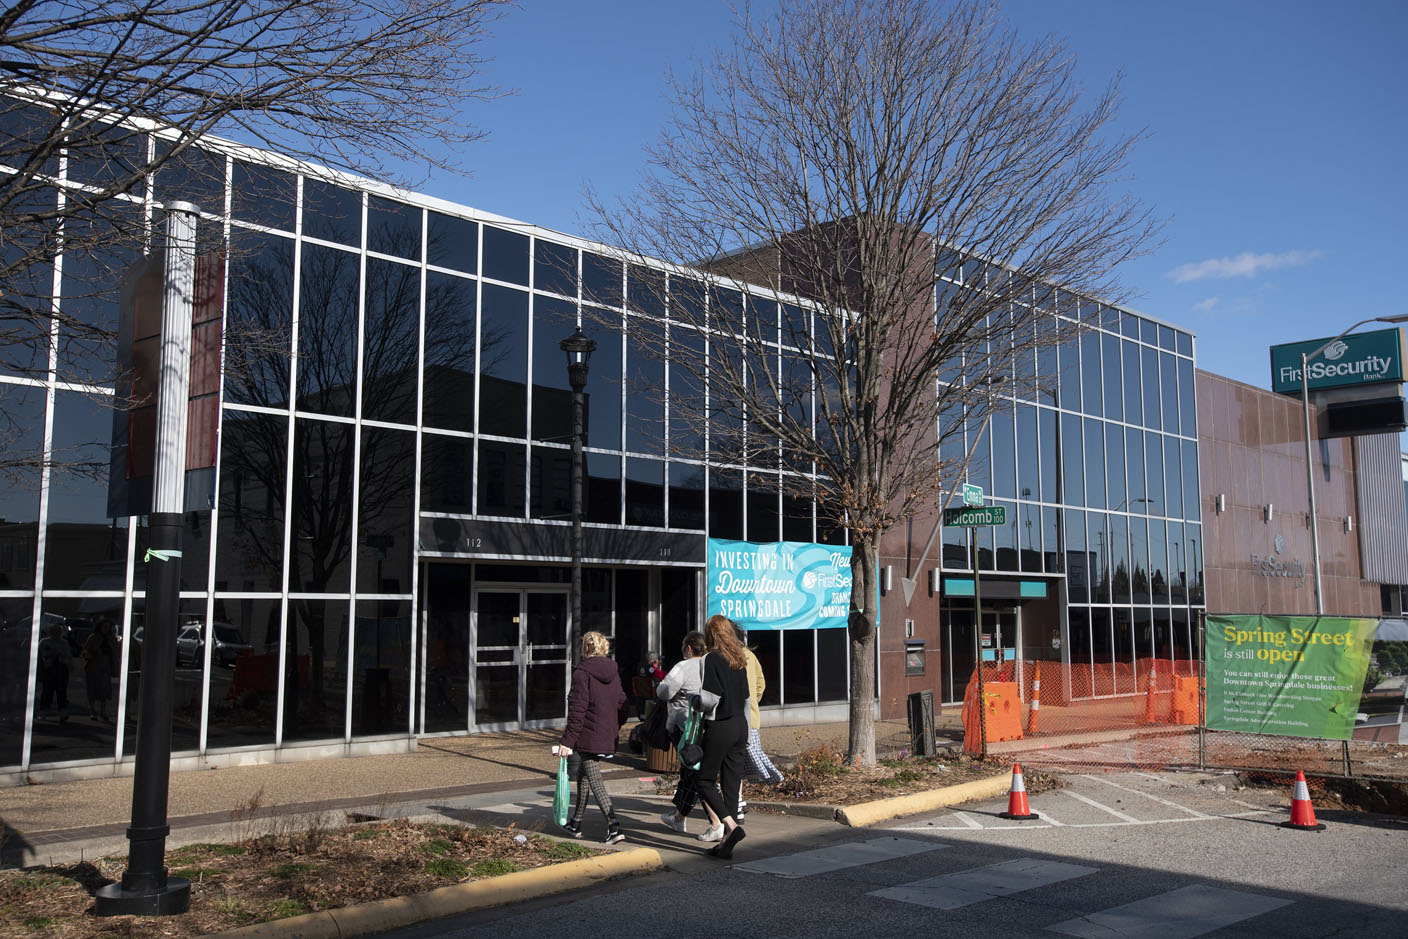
<point x="229" y="645"/>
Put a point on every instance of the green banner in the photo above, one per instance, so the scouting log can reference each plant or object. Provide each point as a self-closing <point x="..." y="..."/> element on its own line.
<point x="1298" y="676"/>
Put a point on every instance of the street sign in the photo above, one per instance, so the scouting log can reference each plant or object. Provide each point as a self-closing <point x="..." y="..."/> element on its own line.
<point x="973" y="516"/>
<point x="972" y="495"/>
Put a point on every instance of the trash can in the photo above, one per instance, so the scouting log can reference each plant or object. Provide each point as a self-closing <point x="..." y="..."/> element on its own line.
<point x="921" y="723"/>
<point x="661" y="761"/>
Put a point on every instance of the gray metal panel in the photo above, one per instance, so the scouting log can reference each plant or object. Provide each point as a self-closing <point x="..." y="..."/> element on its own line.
<point x="1383" y="519"/>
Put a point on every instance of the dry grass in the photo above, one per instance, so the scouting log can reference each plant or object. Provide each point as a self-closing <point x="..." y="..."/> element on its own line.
<point x="276" y="870"/>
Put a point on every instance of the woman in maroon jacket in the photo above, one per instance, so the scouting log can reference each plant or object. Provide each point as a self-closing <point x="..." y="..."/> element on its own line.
<point x="593" y="725"/>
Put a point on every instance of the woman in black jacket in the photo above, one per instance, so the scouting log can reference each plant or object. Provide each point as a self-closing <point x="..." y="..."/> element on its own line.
<point x="726" y="733"/>
<point x="593" y="725"/>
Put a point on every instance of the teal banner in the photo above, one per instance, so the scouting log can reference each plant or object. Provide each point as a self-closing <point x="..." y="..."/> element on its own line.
<point x="1298" y="676"/>
<point x="780" y="584"/>
<point x="1357" y="359"/>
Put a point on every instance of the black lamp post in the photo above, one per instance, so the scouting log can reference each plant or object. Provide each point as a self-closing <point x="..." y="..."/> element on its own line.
<point x="579" y="348"/>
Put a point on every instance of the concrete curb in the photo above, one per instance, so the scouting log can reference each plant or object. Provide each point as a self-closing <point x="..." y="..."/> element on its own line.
<point x="868" y="813"/>
<point x="382" y="915"/>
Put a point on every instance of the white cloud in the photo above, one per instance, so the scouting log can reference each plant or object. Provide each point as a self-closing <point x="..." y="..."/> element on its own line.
<point x="1245" y="264"/>
<point x="1205" y="306"/>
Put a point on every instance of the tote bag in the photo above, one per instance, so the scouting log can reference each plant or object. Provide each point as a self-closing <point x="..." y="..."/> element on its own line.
<point x="563" y="797"/>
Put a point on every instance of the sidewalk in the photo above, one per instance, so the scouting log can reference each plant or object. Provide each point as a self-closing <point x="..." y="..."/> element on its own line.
<point x="494" y="777"/>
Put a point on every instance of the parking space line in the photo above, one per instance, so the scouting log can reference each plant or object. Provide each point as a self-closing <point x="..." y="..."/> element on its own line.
<point x="967" y="819"/>
<point x="1046" y="817"/>
<point x="1179" y="914"/>
<point x="1173" y="805"/>
<point x="1104" y="808"/>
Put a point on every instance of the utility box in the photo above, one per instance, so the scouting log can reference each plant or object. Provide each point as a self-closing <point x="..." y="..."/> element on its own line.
<point x="921" y="723"/>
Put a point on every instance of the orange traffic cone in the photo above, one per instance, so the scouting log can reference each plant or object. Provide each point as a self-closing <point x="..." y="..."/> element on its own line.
<point x="1017" y="807"/>
<point x="1149" y="695"/>
<point x="1302" y="812"/>
<point x="1036" y="699"/>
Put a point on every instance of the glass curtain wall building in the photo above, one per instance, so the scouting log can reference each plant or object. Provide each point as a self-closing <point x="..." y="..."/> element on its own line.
<point x="384" y="550"/>
<point x="1100" y="563"/>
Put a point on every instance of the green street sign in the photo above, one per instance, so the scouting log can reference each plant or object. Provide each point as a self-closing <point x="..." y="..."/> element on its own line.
<point x="972" y="495"/>
<point x="972" y="517"/>
<point x="1356" y="359"/>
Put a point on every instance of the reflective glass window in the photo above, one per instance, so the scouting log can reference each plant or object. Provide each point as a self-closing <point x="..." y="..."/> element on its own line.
<point x="1191" y="495"/>
<point x="1073" y="474"/>
<point x="687" y="488"/>
<point x="554" y="320"/>
<point x="1150" y="367"/>
<point x="1078" y="566"/>
<point x="1051" y="539"/>
<point x="381" y="667"/>
<point x="258" y="319"/>
<point x="505" y="255"/>
<point x="100" y="250"/>
<point x="645" y="492"/>
<point x="1154" y="474"/>
<point x="555" y="268"/>
<point x="1177" y="561"/>
<point x="263" y="195"/>
<point x="601" y="280"/>
<point x="126" y="684"/>
<point x="192" y="175"/>
<point x="331" y="212"/>
<point x="446" y="474"/>
<point x="1005" y="540"/>
<point x="452" y="242"/>
<point x="391" y="342"/>
<point x="1143" y="634"/>
<point x="1028" y="454"/>
<point x="81" y="538"/>
<point x="446" y="655"/>
<point x="1163" y="634"/>
<point x="1091" y="383"/>
<point x="246" y="715"/>
<point x="23" y="406"/>
<point x="725" y="503"/>
<point x="763" y="511"/>
<point x="799" y="666"/>
<point x="1082" y="676"/>
<point x="31" y="132"/>
<point x="1114" y="392"/>
<point x="550" y="483"/>
<point x="1028" y="524"/>
<point x="1149" y="332"/>
<point x="386" y="511"/>
<point x="1125" y="660"/>
<point x="1098" y="541"/>
<point x="1168" y="372"/>
<point x="832" y="665"/>
<point x="1117" y="498"/>
<point x="504" y="371"/>
<point x="645" y="399"/>
<point x="1070" y="374"/>
<point x="321" y="502"/>
<point x="1134" y="468"/>
<point x="1184" y="344"/>
<point x="767" y="646"/>
<point x="1047" y="369"/>
<point x="29" y="285"/>
<point x="796" y="514"/>
<point x="451" y="327"/>
<point x="1003" y="453"/>
<point x="1095" y="463"/>
<point x="1139" y="559"/>
<point x="1165" y="337"/>
<point x="1192" y="537"/>
<point x="1119" y="560"/>
<point x="249" y="550"/>
<point x="393" y="228"/>
<point x="1050" y="451"/>
<point x="604" y="387"/>
<point x="1173" y="479"/>
<point x="603" y="485"/>
<point x="327" y="331"/>
<point x="687" y="360"/>
<point x="1102" y="651"/>
<point x="501" y="478"/>
<point x="1158" y="561"/>
<point x="315" y="702"/>
<point x="1133" y="383"/>
<point x="1187" y="399"/>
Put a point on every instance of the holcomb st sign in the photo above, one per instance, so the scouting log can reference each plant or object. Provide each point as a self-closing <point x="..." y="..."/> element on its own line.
<point x="1358" y="359"/>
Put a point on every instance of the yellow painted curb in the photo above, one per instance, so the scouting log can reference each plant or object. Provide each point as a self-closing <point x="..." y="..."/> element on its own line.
<point x="868" y="813"/>
<point x="382" y="915"/>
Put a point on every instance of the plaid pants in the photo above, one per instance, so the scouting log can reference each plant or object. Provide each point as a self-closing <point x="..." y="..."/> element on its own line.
<point x="758" y="767"/>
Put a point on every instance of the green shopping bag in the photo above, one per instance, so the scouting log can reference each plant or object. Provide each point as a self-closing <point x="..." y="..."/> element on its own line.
<point x="688" y="745"/>
<point x="562" y="799"/>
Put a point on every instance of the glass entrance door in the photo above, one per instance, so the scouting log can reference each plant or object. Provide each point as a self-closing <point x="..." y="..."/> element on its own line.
<point x="520" y="658"/>
<point x="999" y="641"/>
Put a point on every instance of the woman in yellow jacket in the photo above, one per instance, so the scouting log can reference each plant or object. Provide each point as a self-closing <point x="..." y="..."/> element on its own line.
<point x="757" y="767"/>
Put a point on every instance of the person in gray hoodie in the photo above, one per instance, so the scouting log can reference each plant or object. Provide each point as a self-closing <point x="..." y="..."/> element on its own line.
<point x="684" y="681"/>
<point x="593" y="726"/>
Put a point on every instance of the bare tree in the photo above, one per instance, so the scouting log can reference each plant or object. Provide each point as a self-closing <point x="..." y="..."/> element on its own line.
<point x="851" y="152"/>
<point x="102" y="103"/>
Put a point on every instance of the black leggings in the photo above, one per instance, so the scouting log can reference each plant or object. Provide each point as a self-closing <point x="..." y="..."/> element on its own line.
<point x="725" y="758"/>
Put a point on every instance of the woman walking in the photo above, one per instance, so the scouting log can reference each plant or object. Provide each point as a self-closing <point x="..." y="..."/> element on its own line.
<point x="593" y="726"/>
<point x="683" y="682"/>
<point x="99" y="666"/>
<point x="758" y="767"/>
<point x="725" y="730"/>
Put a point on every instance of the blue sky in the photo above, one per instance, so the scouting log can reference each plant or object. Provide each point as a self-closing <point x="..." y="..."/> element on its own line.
<point x="1276" y="151"/>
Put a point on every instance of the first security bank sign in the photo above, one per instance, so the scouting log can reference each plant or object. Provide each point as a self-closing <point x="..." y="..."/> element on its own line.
<point x="779" y="585"/>
<point x="1357" y="359"/>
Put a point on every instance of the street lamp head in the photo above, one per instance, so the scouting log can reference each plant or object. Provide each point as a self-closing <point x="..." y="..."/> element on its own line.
<point x="578" y="347"/>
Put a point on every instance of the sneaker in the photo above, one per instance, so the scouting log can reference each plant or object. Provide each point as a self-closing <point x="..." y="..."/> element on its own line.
<point x="613" y="834"/>
<point x="674" y="822"/>
<point x="573" y="828"/>
<point x="713" y="833"/>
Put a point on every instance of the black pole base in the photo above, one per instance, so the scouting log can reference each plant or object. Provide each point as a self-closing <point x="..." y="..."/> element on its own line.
<point x="170" y="900"/>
